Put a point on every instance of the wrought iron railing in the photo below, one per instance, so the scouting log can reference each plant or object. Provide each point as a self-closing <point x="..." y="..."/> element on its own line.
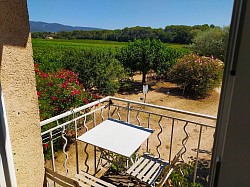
<point x="172" y="128"/>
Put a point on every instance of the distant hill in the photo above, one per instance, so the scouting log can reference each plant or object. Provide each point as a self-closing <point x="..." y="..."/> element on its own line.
<point x="38" y="26"/>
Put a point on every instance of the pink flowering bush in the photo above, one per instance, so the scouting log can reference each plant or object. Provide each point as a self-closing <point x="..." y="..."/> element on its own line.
<point x="59" y="92"/>
<point x="197" y="75"/>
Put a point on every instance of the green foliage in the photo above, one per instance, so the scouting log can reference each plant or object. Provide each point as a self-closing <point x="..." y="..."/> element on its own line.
<point x="97" y="69"/>
<point x="212" y="42"/>
<point x="171" y="34"/>
<point x="197" y="75"/>
<point x="49" y="60"/>
<point x="146" y="55"/>
<point x="179" y="33"/>
<point x="182" y="176"/>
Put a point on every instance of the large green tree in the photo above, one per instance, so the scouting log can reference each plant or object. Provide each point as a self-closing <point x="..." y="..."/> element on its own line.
<point x="146" y="55"/>
<point x="211" y="42"/>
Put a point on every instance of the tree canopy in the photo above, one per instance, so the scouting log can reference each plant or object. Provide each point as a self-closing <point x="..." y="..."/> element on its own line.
<point x="171" y="34"/>
<point x="146" y="55"/>
<point x="212" y="42"/>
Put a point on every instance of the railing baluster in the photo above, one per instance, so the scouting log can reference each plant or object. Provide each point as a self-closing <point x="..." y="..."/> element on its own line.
<point x="197" y="156"/>
<point x="137" y="118"/>
<point x="171" y="140"/>
<point x="149" y="128"/>
<point x="52" y="151"/>
<point x="184" y="141"/>
<point x="84" y="123"/>
<point x="85" y="149"/>
<point x="128" y="112"/>
<point x="76" y="143"/>
<point x="158" y="136"/>
<point x="64" y="151"/>
<point x="87" y="157"/>
<point x="101" y="113"/>
<point x="109" y="106"/>
<point x="94" y="119"/>
<point x="118" y="113"/>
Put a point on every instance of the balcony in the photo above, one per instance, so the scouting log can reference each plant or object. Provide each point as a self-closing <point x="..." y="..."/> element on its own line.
<point x="172" y="127"/>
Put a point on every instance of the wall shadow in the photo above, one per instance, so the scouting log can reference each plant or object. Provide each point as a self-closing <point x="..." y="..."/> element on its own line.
<point x="14" y="23"/>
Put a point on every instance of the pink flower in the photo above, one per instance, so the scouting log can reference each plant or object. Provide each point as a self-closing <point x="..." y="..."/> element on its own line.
<point x="54" y="98"/>
<point x="56" y="108"/>
<point x="36" y="65"/>
<point x="77" y="92"/>
<point x="45" y="75"/>
<point x="85" y="100"/>
<point x="64" y="85"/>
<point x="45" y="145"/>
<point x="38" y="94"/>
<point x="50" y="84"/>
<point x="72" y="93"/>
<point x="77" y="82"/>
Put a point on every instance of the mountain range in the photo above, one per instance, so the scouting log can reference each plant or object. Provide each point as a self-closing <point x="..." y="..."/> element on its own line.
<point x="38" y="26"/>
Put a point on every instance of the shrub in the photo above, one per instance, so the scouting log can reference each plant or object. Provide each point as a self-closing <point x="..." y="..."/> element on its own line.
<point x="182" y="176"/>
<point x="59" y="92"/>
<point x="197" y="75"/>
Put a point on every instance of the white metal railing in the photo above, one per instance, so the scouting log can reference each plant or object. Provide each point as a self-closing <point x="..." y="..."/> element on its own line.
<point x="164" y="120"/>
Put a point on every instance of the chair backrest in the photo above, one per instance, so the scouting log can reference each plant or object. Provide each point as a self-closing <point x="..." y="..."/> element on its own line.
<point x="59" y="179"/>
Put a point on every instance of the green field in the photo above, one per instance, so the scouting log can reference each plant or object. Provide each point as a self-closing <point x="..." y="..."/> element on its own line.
<point x="83" y="44"/>
<point x="77" y="44"/>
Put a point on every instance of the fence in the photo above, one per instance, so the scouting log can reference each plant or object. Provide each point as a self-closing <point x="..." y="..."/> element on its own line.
<point x="171" y="128"/>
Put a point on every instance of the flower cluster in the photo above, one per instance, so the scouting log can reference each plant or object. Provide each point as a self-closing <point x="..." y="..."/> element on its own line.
<point x="197" y="75"/>
<point x="60" y="91"/>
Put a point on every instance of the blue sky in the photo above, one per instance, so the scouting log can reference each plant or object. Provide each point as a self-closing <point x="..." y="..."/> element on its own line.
<point x="117" y="14"/>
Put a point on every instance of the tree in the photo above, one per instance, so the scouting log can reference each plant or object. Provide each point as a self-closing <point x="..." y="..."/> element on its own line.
<point x="146" y="55"/>
<point x="96" y="69"/>
<point x="211" y="42"/>
<point x="179" y="33"/>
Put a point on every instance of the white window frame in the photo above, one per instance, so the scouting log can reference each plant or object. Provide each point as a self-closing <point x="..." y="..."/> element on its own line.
<point x="7" y="170"/>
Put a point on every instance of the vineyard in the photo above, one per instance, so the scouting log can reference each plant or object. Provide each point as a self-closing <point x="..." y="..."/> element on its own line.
<point x="75" y="44"/>
<point x="39" y="44"/>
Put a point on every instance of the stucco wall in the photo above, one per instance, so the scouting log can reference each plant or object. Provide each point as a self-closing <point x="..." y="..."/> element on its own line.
<point x="19" y="89"/>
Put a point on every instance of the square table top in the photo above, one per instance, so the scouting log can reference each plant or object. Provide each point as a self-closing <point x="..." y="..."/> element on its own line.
<point x="117" y="136"/>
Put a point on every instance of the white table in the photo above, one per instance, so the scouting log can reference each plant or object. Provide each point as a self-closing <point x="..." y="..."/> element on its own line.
<point x="117" y="136"/>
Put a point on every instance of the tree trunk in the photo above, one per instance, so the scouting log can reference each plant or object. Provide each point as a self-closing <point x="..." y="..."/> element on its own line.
<point x="144" y="77"/>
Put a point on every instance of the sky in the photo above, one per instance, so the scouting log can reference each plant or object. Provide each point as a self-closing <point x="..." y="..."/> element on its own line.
<point x="117" y="14"/>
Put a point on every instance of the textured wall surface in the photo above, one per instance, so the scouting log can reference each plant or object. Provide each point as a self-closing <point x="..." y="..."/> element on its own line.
<point x="19" y="89"/>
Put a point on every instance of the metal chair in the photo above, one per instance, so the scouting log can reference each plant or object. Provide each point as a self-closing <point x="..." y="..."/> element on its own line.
<point x="58" y="179"/>
<point x="81" y="180"/>
<point x="88" y="180"/>
<point x="153" y="171"/>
